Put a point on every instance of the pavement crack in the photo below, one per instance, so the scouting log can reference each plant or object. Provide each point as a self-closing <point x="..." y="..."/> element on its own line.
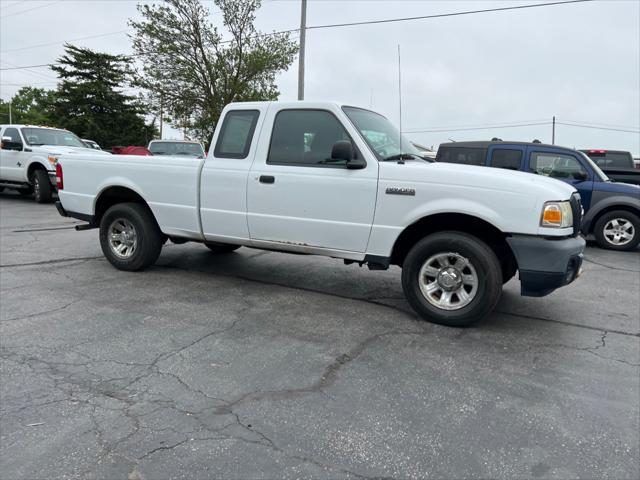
<point x="50" y="262"/>
<point x="564" y="322"/>
<point x="37" y="314"/>
<point x="158" y="449"/>
<point x="588" y="260"/>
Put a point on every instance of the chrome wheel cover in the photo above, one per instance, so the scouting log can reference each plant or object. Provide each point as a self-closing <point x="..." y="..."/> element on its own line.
<point x="448" y="281"/>
<point x="123" y="238"/>
<point x="618" y="231"/>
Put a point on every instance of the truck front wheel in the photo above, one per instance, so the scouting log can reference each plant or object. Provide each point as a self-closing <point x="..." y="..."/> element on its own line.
<point x="452" y="278"/>
<point x="618" y="230"/>
<point x="130" y="237"/>
<point x="42" y="191"/>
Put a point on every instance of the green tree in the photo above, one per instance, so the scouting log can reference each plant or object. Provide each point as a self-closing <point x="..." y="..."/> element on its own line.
<point x="191" y="72"/>
<point x="30" y="105"/>
<point x="91" y="102"/>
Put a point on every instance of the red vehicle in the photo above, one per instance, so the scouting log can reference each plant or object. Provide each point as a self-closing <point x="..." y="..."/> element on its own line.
<point x="131" y="150"/>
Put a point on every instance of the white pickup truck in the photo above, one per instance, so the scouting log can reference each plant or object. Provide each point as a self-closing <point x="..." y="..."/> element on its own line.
<point x="329" y="179"/>
<point x="28" y="154"/>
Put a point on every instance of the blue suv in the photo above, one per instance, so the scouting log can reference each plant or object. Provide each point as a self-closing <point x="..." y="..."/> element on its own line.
<point x="612" y="210"/>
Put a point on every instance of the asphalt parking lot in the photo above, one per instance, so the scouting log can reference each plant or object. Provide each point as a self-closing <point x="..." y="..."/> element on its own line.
<point x="263" y="365"/>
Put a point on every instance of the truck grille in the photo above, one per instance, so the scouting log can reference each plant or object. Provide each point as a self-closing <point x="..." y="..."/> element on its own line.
<point x="576" y="209"/>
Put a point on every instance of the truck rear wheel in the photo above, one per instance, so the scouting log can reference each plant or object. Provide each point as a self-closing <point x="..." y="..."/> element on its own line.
<point x="42" y="191"/>
<point x="452" y="278"/>
<point x="130" y="237"/>
<point x="618" y="230"/>
<point x="216" y="247"/>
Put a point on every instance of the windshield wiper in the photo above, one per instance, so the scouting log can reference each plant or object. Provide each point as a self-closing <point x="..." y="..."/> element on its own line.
<point x="36" y="144"/>
<point x="402" y="156"/>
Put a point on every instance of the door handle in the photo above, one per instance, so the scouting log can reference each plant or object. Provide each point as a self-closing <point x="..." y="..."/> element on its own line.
<point x="267" y="179"/>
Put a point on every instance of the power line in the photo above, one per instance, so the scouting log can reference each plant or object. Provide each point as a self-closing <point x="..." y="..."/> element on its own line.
<point x="597" y="128"/>
<point x="389" y="20"/>
<point x="477" y="128"/>
<point x="451" y="14"/>
<point x="599" y="124"/>
<point x="28" y="10"/>
<point x="66" y="41"/>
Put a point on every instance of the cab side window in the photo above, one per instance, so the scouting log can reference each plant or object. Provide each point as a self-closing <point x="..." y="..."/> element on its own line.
<point x="509" y="159"/>
<point x="236" y="134"/>
<point x="15" y="142"/>
<point x="556" y="165"/>
<point x="305" y="138"/>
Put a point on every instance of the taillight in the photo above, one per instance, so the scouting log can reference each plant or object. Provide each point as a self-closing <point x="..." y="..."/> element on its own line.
<point x="59" y="178"/>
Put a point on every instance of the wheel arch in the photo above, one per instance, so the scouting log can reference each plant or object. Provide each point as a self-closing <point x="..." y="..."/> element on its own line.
<point x="609" y="207"/>
<point x="34" y="165"/>
<point x="112" y="195"/>
<point x="484" y="230"/>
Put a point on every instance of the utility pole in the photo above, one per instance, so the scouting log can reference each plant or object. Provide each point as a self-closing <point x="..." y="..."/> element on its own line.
<point x="553" y="131"/>
<point x="161" y="115"/>
<point x="400" y="96"/>
<point x="303" y="33"/>
<point x="10" y="119"/>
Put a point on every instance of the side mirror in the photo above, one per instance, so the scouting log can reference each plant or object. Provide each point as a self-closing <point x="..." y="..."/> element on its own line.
<point x="343" y="150"/>
<point x="581" y="176"/>
<point x="9" y="144"/>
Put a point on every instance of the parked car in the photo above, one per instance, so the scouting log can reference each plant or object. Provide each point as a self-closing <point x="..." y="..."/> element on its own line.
<point x="131" y="150"/>
<point x="612" y="209"/>
<point x="28" y="155"/>
<point x="91" y="144"/>
<point x="617" y="164"/>
<point x="176" y="148"/>
<point x="329" y="179"/>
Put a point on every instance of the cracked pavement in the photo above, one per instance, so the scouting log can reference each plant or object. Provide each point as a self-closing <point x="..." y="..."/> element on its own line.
<point x="265" y="365"/>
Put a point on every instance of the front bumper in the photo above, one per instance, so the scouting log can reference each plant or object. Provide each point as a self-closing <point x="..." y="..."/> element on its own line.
<point x="546" y="264"/>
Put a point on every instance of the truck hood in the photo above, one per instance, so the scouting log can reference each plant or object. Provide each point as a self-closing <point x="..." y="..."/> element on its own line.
<point x="497" y="179"/>
<point x="64" y="150"/>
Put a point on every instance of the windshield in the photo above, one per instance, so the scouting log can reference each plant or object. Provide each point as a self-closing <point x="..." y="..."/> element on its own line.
<point x="50" y="136"/>
<point x="190" y="149"/>
<point x="608" y="159"/>
<point x="599" y="173"/>
<point x="379" y="133"/>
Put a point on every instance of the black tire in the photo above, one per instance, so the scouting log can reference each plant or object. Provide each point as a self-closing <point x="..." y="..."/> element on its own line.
<point x="509" y="269"/>
<point x="147" y="233"/>
<point x="42" y="191"/>
<point x="487" y="273"/>
<point x="628" y="219"/>
<point x="216" y="247"/>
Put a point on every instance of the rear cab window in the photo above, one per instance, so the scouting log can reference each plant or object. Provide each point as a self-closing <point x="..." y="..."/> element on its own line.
<point x="236" y="134"/>
<point x="610" y="159"/>
<point x="462" y="155"/>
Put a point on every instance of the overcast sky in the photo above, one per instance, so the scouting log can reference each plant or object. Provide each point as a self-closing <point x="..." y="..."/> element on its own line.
<point x="579" y="62"/>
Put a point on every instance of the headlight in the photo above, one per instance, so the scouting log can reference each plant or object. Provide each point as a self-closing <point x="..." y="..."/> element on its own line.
<point x="557" y="215"/>
<point x="52" y="159"/>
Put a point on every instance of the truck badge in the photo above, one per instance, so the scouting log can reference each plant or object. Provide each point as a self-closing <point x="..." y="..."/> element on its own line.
<point x="400" y="191"/>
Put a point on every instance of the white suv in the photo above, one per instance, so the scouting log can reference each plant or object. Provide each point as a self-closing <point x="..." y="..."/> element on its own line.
<point x="28" y="155"/>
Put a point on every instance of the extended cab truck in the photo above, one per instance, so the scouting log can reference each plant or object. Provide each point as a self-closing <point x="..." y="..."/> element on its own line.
<point x="28" y="155"/>
<point x="328" y="179"/>
<point x="612" y="209"/>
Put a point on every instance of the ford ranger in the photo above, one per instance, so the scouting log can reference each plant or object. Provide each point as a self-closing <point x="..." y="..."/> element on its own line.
<point x="329" y="179"/>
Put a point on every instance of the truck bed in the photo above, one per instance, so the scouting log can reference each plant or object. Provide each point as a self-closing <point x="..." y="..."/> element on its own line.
<point x="168" y="184"/>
